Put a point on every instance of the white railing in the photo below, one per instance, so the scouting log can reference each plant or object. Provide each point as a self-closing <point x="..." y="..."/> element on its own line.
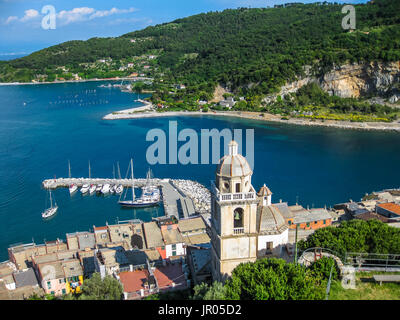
<point x="238" y="230"/>
<point x="232" y="196"/>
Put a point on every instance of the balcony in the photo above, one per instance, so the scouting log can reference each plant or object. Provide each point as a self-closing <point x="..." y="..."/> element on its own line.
<point x="238" y="230"/>
<point x="221" y="197"/>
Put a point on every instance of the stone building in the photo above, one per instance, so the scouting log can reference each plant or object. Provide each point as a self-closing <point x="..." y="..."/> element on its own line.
<point x="245" y="225"/>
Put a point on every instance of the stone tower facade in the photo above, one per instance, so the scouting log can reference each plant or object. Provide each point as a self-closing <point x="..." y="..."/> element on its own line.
<point x="233" y="215"/>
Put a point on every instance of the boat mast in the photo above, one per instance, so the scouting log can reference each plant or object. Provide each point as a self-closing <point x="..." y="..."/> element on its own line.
<point x="119" y="172"/>
<point x="69" y="169"/>
<point x="113" y="172"/>
<point x="133" y="185"/>
<point x="51" y="200"/>
<point x="89" y="169"/>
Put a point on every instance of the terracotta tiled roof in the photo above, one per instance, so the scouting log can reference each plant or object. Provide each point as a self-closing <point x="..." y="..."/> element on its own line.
<point x="168" y="274"/>
<point x="392" y="207"/>
<point x="133" y="281"/>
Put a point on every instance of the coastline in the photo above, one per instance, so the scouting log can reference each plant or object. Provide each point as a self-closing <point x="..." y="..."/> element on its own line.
<point x="144" y="112"/>
<point x="68" y="81"/>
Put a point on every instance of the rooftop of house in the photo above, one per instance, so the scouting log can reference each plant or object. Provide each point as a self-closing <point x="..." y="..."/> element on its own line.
<point x="120" y="232"/>
<point x="152" y="235"/>
<point x="25" y="278"/>
<point x="72" y="268"/>
<point x="85" y="240"/>
<point x="171" y="273"/>
<point x="171" y="236"/>
<point x="200" y="258"/>
<point x="100" y="229"/>
<point x="55" y="256"/>
<point x="51" y="270"/>
<point x="153" y="255"/>
<point x="284" y="210"/>
<point x="306" y="216"/>
<point x="6" y="268"/>
<point x="195" y="239"/>
<point x="371" y="215"/>
<point x="392" y="207"/>
<point x="188" y="225"/>
<point x="133" y="281"/>
<point x="7" y="279"/>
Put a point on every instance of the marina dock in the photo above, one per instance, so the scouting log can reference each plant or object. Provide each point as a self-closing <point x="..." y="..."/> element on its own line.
<point x="66" y="182"/>
<point x="175" y="201"/>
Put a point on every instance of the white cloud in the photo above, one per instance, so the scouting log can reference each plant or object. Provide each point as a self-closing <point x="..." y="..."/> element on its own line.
<point x="10" y="19"/>
<point x="105" y="13"/>
<point x="65" y="17"/>
<point x="74" y="15"/>
<point x="29" y="14"/>
<point x="85" y="13"/>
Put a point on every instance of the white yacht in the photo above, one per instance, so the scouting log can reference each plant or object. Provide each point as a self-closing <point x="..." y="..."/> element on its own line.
<point x="98" y="188"/>
<point x="50" y="211"/>
<point x="73" y="188"/>
<point x="119" y="189"/>
<point x="85" y="188"/>
<point x="92" y="189"/>
<point x="105" y="189"/>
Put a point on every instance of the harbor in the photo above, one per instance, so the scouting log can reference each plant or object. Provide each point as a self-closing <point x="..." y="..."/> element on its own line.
<point x="180" y="198"/>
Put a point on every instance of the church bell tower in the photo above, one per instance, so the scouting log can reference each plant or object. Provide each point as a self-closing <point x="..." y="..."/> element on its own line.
<point x="233" y="215"/>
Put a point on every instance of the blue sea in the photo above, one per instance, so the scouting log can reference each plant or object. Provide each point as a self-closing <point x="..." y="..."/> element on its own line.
<point x="44" y="126"/>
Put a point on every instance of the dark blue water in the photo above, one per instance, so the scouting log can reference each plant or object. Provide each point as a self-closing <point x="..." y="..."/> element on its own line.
<point x="62" y="122"/>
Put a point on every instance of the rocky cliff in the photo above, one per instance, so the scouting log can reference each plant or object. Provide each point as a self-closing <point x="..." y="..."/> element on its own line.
<point x="375" y="79"/>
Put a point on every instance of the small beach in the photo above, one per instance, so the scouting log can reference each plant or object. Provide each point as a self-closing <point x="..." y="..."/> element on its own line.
<point x="147" y="112"/>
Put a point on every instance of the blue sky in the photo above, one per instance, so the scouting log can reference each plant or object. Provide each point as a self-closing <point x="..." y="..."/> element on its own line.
<point x="20" y="20"/>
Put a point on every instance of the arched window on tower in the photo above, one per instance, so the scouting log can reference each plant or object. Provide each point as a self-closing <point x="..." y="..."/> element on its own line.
<point x="238" y="221"/>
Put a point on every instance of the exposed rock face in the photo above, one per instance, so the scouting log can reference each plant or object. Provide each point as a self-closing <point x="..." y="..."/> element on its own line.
<point x="352" y="80"/>
<point x="357" y="80"/>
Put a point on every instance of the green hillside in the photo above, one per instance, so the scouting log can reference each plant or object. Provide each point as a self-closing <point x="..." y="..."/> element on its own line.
<point x="251" y="51"/>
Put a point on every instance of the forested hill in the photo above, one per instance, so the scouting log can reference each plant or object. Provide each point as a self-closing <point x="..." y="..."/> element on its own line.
<point x="266" y="46"/>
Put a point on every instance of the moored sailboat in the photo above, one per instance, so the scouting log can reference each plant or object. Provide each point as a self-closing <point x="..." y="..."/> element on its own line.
<point x="50" y="211"/>
<point x="141" y="202"/>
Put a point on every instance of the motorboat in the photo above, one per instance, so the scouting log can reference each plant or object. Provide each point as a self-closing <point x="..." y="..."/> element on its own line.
<point x="105" y="189"/>
<point x="73" y="188"/>
<point x="98" y="188"/>
<point x="92" y="189"/>
<point x="119" y="189"/>
<point x="85" y="188"/>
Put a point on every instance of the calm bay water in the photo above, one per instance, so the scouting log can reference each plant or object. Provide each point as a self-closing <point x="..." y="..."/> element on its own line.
<point x="44" y="126"/>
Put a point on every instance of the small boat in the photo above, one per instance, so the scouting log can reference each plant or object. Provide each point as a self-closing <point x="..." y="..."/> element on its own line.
<point x="119" y="189"/>
<point x="50" y="211"/>
<point x="92" y="189"/>
<point x="85" y="188"/>
<point x="105" y="189"/>
<point x="73" y="188"/>
<point x="98" y="188"/>
<point x="112" y="188"/>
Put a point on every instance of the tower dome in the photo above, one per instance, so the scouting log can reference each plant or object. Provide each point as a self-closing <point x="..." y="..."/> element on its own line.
<point x="264" y="191"/>
<point x="233" y="164"/>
